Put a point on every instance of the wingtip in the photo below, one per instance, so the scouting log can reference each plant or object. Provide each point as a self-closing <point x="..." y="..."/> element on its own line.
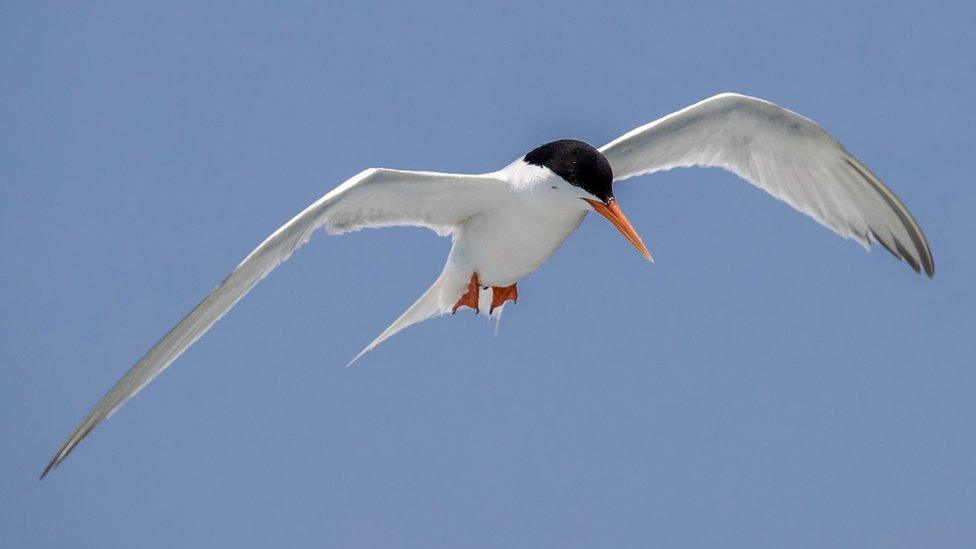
<point x="923" y="265"/>
<point x="56" y="460"/>
<point x="922" y="258"/>
<point x="52" y="465"/>
<point x="361" y="353"/>
<point x="355" y="358"/>
<point x="928" y="262"/>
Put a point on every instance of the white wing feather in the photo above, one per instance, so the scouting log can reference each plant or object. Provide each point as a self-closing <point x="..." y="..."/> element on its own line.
<point x="784" y="154"/>
<point x="374" y="198"/>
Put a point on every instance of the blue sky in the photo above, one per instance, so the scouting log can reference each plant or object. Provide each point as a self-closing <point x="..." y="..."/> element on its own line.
<point x="763" y="384"/>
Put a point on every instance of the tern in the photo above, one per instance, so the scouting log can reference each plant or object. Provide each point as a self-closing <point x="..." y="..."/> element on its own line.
<point x="505" y="224"/>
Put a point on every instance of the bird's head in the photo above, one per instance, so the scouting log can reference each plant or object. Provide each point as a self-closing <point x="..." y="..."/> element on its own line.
<point x="591" y="180"/>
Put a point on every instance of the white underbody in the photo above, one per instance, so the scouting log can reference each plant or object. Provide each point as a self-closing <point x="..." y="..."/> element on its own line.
<point x="518" y="234"/>
<point x="525" y="222"/>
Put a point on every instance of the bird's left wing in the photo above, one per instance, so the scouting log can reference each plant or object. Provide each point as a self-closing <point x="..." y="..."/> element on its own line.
<point x="376" y="197"/>
<point x="784" y="154"/>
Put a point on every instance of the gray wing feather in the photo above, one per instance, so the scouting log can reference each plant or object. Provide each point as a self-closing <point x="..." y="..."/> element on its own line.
<point x="373" y="198"/>
<point x="784" y="154"/>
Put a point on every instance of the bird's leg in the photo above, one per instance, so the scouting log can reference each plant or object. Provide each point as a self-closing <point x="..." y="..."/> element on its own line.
<point x="500" y="295"/>
<point x="470" y="297"/>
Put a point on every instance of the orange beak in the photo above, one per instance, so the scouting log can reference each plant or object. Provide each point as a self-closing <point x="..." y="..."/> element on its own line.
<point x="616" y="216"/>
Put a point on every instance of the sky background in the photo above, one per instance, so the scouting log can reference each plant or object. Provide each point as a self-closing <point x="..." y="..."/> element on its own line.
<point x="763" y="384"/>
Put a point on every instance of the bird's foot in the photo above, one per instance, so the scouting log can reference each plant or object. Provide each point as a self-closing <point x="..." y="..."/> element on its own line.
<point x="500" y="295"/>
<point x="470" y="297"/>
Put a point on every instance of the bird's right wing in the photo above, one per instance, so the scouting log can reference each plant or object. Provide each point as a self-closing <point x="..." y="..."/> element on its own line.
<point x="376" y="197"/>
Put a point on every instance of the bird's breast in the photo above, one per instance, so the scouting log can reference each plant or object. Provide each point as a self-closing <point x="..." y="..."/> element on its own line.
<point x="509" y="242"/>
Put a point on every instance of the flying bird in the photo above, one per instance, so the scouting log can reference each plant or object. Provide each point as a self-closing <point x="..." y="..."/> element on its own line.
<point x="505" y="224"/>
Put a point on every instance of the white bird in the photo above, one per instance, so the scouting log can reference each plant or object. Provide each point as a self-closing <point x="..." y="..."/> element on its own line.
<point x="506" y="223"/>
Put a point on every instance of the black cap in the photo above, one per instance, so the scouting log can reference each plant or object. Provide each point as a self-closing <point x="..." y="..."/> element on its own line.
<point x="578" y="163"/>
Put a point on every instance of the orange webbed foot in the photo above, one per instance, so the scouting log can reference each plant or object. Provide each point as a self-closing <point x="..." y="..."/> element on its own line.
<point x="500" y="295"/>
<point x="470" y="297"/>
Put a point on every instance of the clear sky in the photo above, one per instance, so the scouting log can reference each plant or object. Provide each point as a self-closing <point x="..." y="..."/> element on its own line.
<point x="763" y="384"/>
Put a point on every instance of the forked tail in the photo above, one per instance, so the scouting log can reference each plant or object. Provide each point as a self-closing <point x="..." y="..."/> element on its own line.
<point x="437" y="300"/>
